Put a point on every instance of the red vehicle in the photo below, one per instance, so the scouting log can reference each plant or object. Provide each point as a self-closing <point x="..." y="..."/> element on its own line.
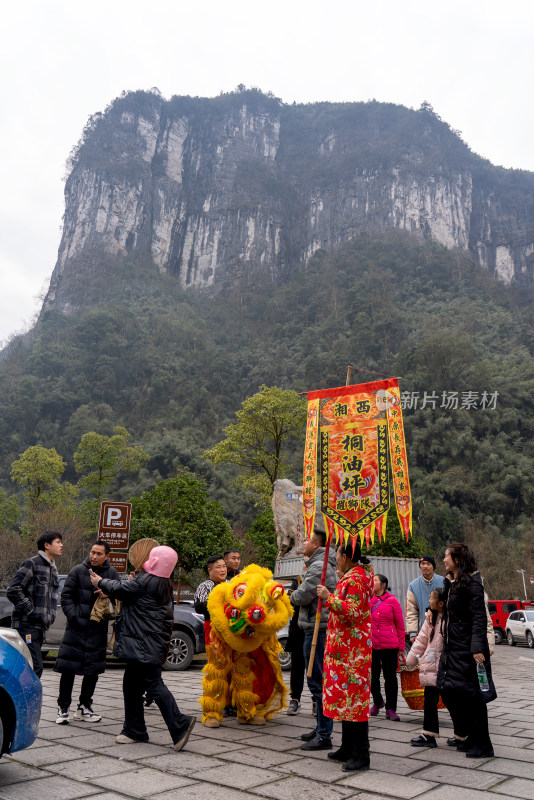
<point x="499" y="610"/>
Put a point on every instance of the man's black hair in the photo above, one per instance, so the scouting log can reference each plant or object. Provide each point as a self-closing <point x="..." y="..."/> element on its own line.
<point x="322" y="536"/>
<point x="47" y="538"/>
<point x="231" y="550"/>
<point x="212" y="559"/>
<point x="105" y="545"/>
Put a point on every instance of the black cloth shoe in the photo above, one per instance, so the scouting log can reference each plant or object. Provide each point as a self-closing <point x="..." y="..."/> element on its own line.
<point x="454" y="742"/>
<point x="463" y="747"/>
<point x="424" y="741"/>
<point x="182" y="741"/>
<point x="317" y="743"/>
<point x="307" y="737"/>
<point x="359" y="761"/>
<point x="480" y="752"/>
<point x="343" y="754"/>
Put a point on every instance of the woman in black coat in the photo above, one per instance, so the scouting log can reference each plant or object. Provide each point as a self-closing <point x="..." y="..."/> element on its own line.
<point x="466" y="647"/>
<point x="143" y="632"/>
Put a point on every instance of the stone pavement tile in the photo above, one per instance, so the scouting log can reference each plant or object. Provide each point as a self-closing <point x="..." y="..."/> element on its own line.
<point x="327" y="772"/>
<point x="41" y="743"/>
<point x="272" y="742"/>
<point x="513" y="753"/>
<point x="446" y="755"/>
<point x="54" y="788"/>
<point x="202" y="791"/>
<point x="243" y="778"/>
<point x="182" y="763"/>
<point x="399" y="766"/>
<point x="92" y="741"/>
<point x="391" y="748"/>
<point x="256" y="757"/>
<point x="141" y="782"/>
<point x="59" y="732"/>
<point x="456" y="776"/>
<point x="395" y="736"/>
<point x="375" y="729"/>
<point x="11" y="772"/>
<point x="43" y="756"/>
<point x="511" y="741"/>
<point x="84" y="769"/>
<point x="385" y="783"/>
<point x="516" y="787"/>
<point x="212" y="747"/>
<point x="444" y="792"/>
<point x="132" y="752"/>
<point x="504" y="766"/>
<point x="291" y="788"/>
<point x="112" y="796"/>
<point x="226" y="734"/>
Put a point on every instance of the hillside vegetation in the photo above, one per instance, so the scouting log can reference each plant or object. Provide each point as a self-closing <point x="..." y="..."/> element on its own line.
<point x="173" y="368"/>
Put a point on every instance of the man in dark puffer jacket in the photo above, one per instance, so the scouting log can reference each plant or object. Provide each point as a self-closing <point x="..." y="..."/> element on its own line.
<point x="83" y="650"/>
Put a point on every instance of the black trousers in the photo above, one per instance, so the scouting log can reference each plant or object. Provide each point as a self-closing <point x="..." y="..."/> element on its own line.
<point x="138" y="679"/>
<point x="430" y="711"/>
<point x="469" y="714"/>
<point x="87" y="691"/>
<point x="355" y="737"/>
<point x="385" y="661"/>
<point x="33" y="638"/>
<point x="298" y="667"/>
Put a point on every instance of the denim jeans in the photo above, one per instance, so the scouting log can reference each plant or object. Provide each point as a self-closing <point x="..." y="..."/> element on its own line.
<point x="315" y="683"/>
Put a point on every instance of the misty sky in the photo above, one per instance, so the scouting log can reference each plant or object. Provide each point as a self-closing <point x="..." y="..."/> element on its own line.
<point x="62" y="61"/>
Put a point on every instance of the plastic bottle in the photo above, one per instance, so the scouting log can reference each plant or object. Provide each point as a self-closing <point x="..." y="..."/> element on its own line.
<point x="482" y="678"/>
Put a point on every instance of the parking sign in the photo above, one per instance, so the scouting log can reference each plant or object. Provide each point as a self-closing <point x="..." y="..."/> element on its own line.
<point x="114" y="525"/>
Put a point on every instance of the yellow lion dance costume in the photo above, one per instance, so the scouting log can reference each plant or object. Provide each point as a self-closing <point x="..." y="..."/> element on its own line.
<point x="243" y="667"/>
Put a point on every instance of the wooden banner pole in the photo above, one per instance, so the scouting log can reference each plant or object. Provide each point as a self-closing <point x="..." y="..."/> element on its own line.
<point x="323" y="579"/>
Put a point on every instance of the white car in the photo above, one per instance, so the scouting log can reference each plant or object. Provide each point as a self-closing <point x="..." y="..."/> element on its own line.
<point x="520" y="628"/>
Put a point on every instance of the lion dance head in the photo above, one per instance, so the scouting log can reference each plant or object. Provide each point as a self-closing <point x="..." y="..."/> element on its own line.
<point x="249" y="609"/>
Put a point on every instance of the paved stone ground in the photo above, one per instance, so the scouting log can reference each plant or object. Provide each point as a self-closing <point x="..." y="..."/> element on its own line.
<point x="236" y="762"/>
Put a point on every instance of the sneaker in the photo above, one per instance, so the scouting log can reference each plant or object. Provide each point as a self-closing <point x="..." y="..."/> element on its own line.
<point x="62" y="716"/>
<point x="87" y="714"/>
<point x="294" y="707"/>
<point x="375" y="708"/>
<point x="392" y="715"/>
<point x="317" y="743"/>
<point x="424" y="741"/>
<point x="453" y="741"/>
<point x="182" y="741"/>
<point x="307" y="737"/>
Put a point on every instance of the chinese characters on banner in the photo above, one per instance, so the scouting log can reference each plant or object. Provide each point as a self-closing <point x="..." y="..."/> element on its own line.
<point x="360" y="435"/>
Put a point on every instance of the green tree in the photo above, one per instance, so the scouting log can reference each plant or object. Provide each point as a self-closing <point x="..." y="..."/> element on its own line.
<point x="266" y="423"/>
<point x="38" y="471"/>
<point x="102" y="458"/>
<point x="262" y="536"/>
<point x="179" y="513"/>
<point x="9" y="510"/>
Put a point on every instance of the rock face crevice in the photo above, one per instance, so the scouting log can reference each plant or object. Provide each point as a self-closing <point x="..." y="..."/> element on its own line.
<point x="214" y="190"/>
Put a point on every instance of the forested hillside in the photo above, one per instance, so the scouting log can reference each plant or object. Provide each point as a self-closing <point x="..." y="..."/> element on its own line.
<point x="173" y="367"/>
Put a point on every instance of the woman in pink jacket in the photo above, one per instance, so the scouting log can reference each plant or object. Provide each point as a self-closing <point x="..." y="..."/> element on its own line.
<point x="387" y="633"/>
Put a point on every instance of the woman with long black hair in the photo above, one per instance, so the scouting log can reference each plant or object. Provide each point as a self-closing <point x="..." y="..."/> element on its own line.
<point x="143" y="632"/>
<point x="466" y="651"/>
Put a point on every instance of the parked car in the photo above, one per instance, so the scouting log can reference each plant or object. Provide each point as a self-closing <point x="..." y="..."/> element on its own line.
<point x="499" y="610"/>
<point x="187" y="635"/>
<point x="20" y="694"/>
<point x="520" y="628"/>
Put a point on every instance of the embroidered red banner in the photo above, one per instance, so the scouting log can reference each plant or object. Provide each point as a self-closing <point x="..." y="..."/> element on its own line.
<point x="362" y="456"/>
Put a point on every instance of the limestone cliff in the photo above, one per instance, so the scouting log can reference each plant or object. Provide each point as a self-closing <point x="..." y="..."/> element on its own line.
<point x="214" y="190"/>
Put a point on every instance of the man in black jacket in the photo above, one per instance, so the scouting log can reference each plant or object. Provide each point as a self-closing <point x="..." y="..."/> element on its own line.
<point x="83" y="649"/>
<point x="33" y="592"/>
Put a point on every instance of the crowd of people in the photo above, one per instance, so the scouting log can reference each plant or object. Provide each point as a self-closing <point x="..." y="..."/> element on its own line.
<point x="358" y="640"/>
